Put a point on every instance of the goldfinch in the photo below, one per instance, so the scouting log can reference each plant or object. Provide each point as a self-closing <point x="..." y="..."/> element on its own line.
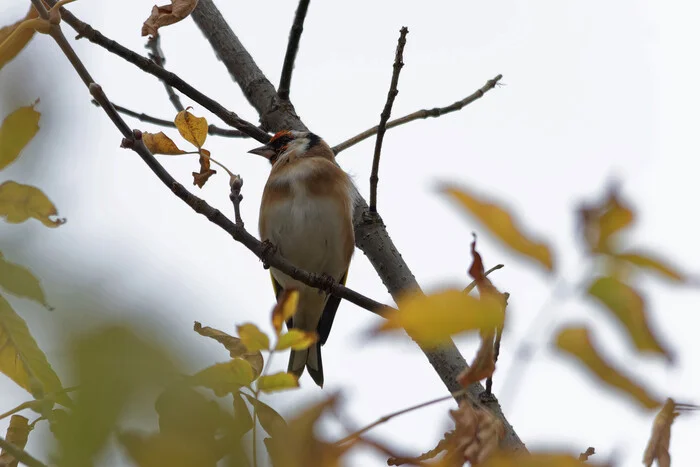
<point x="306" y="212"/>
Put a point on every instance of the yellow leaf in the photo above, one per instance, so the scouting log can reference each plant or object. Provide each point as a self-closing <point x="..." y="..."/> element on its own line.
<point x="166" y="15"/>
<point x="234" y="346"/>
<point x="271" y="421"/>
<point x="601" y="222"/>
<point x="171" y="449"/>
<point x="628" y="307"/>
<point x="660" y="439"/>
<point x="278" y="382"/>
<point x="502" y="225"/>
<point x="253" y="338"/>
<point x="647" y="262"/>
<point x="296" y="339"/>
<point x="22" y="360"/>
<point x="193" y="129"/>
<point x="160" y="143"/>
<point x="576" y="341"/>
<point x="432" y="319"/>
<point x="20" y="202"/>
<point x="16" y="132"/>
<point x="286" y="308"/>
<point x="19" y="281"/>
<point x="10" y="49"/>
<point x="224" y="378"/>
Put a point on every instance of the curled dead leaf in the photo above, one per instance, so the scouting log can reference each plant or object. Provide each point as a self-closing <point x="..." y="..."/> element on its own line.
<point x="166" y="15"/>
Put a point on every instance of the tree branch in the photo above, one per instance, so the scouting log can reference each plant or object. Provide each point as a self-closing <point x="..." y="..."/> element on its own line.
<point x="213" y="129"/>
<point x="156" y="55"/>
<point x="150" y="67"/>
<point x="386" y="113"/>
<point x="292" y="48"/>
<point x="419" y="114"/>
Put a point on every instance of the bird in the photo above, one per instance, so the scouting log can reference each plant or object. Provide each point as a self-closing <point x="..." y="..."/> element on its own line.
<point x="306" y="212"/>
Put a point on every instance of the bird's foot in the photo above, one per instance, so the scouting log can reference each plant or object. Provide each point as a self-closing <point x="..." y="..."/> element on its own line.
<point x="487" y="396"/>
<point x="267" y="250"/>
<point x="326" y="282"/>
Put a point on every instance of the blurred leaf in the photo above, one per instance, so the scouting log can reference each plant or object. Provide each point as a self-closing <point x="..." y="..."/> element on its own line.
<point x="286" y="308"/>
<point x="112" y="365"/>
<point x="16" y="132"/>
<point x="483" y="364"/>
<point x="193" y="129"/>
<point x="502" y="225"/>
<point x="166" y="15"/>
<point x="278" y="382"/>
<point x="20" y="282"/>
<point x="432" y="319"/>
<point x="601" y="222"/>
<point x="253" y="338"/>
<point x="656" y="265"/>
<point x="296" y="339"/>
<point x="17" y="434"/>
<point x="160" y="143"/>
<point x="628" y="307"/>
<point x="535" y="459"/>
<point x="224" y="378"/>
<point x="172" y="450"/>
<point x="270" y="420"/>
<point x="20" y="202"/>
<point x="243" y="419"/>
<point x="205" y="170"/>
<point x="234" y="345"/>
<point x="184" y="412"/>
<point x="576" y="342"/>
<point x="22" y="360"/>
<point x="10" y="49"/>
<point x="660" y="439"/>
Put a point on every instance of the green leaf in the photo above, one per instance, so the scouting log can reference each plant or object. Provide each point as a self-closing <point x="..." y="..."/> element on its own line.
<point x="16" y="132"/>
<point x="224" y="378"/>
<point x="271" y="421"/>
<point x="242" y="418"/>
<point x="253" y="338"/>
<point x="296" y="339"/>
<point x="278" y="382"/>
<point x="20" y="282"/>
<point x="22" y="360"/>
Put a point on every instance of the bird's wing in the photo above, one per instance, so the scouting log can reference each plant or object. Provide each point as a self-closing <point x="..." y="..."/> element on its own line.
<point x="326" y="322"/>
<point x="278" y="290"/>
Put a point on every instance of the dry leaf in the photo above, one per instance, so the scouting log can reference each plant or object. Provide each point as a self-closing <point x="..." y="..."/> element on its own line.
<point x="19" y="203"/>
<point x="432" y="319"/>
<point x="502" y="225"/>
<point x="10" y="49"/>
<point x="159" y="143"/>
<point x="660" y="439"/>
<point x="253" y="338"/>
<point x="16" y="132"/>
<point x="585" y="455"/>
<point x="205" y="170"/>
<point x="234" y="345"/>
<point x="193" y="129"/>
<point x="476" y="435"/>
<point x="601" y="222"/>
<point x="285" y="309"/>
<point x="628" y="307"/>
<point x="166" y="15"/>
<point x="17" y="434"/>
<point x="576" y="342"/>
<point x="483" y="364"/>
<point x="278" y="382"/>
<point x="532" y="459"/>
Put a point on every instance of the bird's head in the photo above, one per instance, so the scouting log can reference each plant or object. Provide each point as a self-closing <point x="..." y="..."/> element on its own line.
<point x="293" y="143"/>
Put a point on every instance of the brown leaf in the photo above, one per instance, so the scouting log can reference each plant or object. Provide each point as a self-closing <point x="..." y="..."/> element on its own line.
<point x="585" y="455"/>
<point x="576" y="342"/>
<point x="476" y="435"/>
<point x="502" y="225"/>
<point x="532" y="459"/>
<point x="627" y="306"/>
<point x="10" y="49"/>
<point x="19" y="203"/>
<point x="286" y="308"/>
<point x="234" y="345"/>
<point x="205" y="170"/>
<point x="166" y="15"/>
<point x="17" y="434"/>
<point x="660" y="439"/>
<point x="483" y="364"/>
<point x="16" y="132"/>
<point x="160" y="143"/>
<point x="601" y="222"/>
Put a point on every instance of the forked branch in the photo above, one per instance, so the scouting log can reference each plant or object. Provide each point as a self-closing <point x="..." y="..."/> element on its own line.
<point x="292" y="49"/>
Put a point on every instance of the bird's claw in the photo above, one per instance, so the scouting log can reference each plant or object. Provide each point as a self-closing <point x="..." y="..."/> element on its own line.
<point x="487" y="396"/>
<point x="268" y="249"/>
<point x="327" y="282"/>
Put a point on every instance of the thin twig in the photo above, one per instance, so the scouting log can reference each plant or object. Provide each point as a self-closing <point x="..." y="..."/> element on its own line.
<point x="150" y="67"/>
<point x="236" y="198"/>
<point x="386" y="113"/>
<point x="213" y="129"/>
<point x="472" y="284"/>
<point x="20" y="454"/>
<point x="292" y="48"/>
<point x="157" y="56"/>
<point x="424" y="113"/>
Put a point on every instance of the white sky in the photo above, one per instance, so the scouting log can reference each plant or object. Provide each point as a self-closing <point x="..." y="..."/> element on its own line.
<point x="594" y="91"/>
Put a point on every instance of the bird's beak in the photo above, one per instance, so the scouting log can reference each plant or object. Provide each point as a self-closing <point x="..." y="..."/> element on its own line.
<point x="266" y="151"/>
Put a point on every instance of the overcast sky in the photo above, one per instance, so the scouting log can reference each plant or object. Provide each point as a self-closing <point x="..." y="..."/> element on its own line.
<point x="593" y="91"/>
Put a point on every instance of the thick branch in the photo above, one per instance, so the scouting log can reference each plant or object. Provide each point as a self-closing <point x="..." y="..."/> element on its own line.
<point x="424" y="113"/>
<point x="386" y="113"/>
<point x="213" y="129"/>
<point x="292" y="48"/>
<point x="150" y="67"/>
<point x="275" y="113"/>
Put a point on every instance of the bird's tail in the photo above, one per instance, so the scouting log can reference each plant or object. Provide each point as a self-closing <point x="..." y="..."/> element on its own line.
<point x="310" y="359"/>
